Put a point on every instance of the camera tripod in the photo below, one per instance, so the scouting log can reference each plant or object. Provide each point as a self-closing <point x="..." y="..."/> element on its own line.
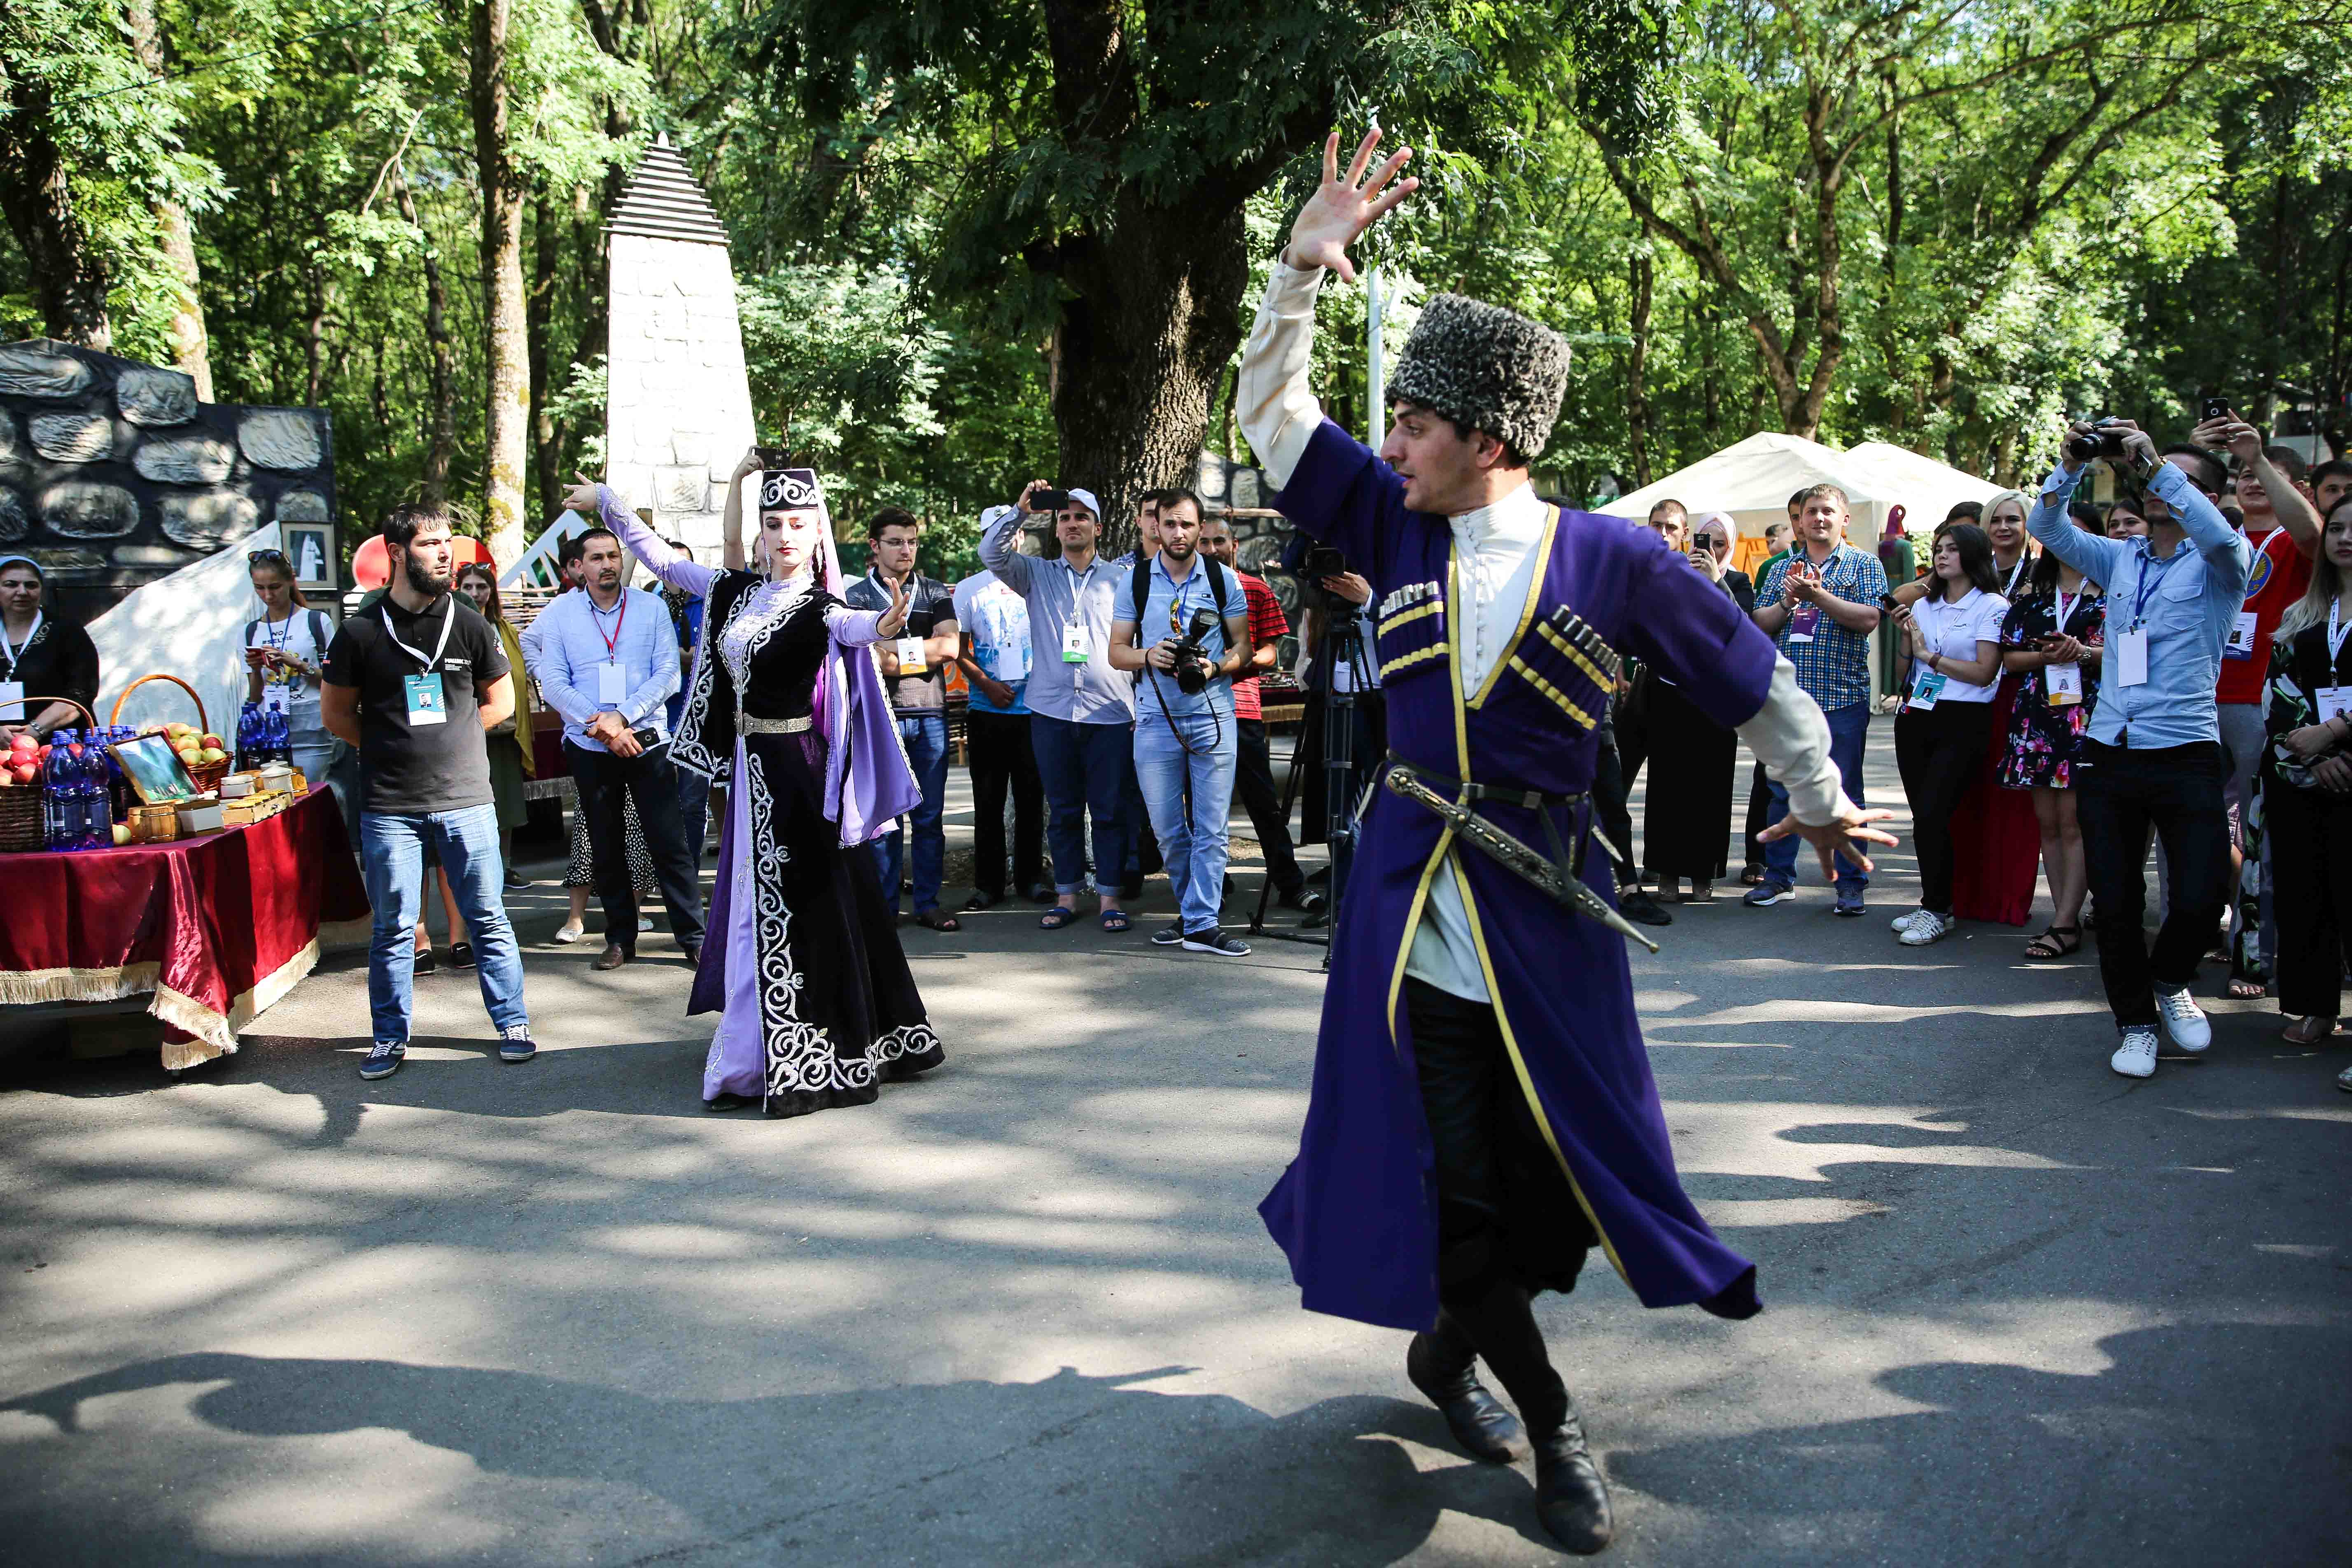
<point x="1343" y="649"/>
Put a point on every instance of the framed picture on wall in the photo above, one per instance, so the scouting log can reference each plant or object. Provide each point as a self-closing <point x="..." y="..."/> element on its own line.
<point x="310" y="546"/>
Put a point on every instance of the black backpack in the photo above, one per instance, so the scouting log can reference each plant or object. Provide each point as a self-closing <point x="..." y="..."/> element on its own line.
<point x="1143" y="588"/>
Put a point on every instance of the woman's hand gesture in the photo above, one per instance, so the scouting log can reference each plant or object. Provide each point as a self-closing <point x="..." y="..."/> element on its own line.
<point x="1342" y="209"/>
<point x="749" y="464"/>
<point x="582" y="497"/>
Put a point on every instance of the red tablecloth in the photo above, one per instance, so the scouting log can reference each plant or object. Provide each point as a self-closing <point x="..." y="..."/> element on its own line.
<point x="218" y="928"/>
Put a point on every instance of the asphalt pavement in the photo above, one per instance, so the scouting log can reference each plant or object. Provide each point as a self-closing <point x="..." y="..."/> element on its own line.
<point x="1023" y="1312"/>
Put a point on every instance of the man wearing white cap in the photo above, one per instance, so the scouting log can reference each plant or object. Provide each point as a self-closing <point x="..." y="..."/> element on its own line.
<point x="1081" y="711"/>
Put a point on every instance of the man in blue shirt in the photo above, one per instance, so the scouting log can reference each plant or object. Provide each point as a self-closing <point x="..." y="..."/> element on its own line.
<point x="1185" y="741"/>
<point x="994" y="621"/>
<point x="2153" y="754"/>
<point x="606" y="658"/>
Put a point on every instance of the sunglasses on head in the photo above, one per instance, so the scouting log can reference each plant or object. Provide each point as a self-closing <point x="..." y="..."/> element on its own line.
<point x="277" y="555"/>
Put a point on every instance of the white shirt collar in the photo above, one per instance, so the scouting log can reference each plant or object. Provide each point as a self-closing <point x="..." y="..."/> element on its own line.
<point x="1517" y="518"/>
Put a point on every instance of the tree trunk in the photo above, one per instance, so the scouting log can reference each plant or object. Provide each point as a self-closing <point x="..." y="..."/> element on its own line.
<point x="547" y="262"/>
<point x="70" y="276"/>
<point x="506" y="338"/>
<point x="1642" y="281"/>
<point x="191" y="350"/>
<point x="441" y="437"/>
<point x="1140" y="346"/>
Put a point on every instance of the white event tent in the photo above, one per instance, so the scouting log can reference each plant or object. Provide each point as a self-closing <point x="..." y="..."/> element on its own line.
<point x="1753" y="480"/>
<point x="190" y="624"/>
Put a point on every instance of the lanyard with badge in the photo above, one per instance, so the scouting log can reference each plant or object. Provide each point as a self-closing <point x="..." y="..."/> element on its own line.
<point x="277" y="687"/>
<point x="427" y="704"/>
<point x="2009" y="589"/>
<point x="2062" y="683"/>
<point x="1928" y="685"/>
<point x="908" y="649"/>
<point x="11" y="691"/>
<point x="613" y="675"/>
<point x="1805" y="617"/>
<point x="2243" y="625"/>
<point x="2335" y="700"/>
<point x="2130" y="645"/>
<point x="1074" y="634"/>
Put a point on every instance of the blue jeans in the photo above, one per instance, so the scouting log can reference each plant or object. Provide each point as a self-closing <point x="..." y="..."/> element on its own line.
<point x="391" y="858"/>
<point x="1081" y="768"/>
<point x="1191" y="835"/>
<point x="925" y="736"/>
<point x="1849" y="728"/>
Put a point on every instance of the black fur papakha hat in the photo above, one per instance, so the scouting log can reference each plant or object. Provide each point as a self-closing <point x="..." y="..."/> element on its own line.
<point x="1484" y="368"/>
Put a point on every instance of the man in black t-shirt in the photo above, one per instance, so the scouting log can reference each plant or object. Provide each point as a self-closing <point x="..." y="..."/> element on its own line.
<point x="413" y="682"/>
<point x="914" y="669"/>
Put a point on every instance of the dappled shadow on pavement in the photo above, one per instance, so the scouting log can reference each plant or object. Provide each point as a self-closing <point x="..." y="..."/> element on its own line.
<point x="1071" y="1468"/>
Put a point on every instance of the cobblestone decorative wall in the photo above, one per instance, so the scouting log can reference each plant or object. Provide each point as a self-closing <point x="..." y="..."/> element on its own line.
<point x="112" y="474"/>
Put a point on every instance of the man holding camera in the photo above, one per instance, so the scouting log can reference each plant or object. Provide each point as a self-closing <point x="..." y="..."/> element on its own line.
<point x="1184" y="732"/>
<point x="2153" y="757"/>
<point x="606" y="658"/>
<point x="1081" y="709"/>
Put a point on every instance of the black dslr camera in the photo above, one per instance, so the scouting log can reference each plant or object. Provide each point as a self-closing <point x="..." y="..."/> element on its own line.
<point x="1193" y="665"/>
<point x="2097" y="442"/>
<point x="1323" y="560"/>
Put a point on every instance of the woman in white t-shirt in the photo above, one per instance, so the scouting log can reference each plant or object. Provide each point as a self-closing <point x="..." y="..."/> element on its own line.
<point x="1954" y="639"/>
<point x="285" y="652"/>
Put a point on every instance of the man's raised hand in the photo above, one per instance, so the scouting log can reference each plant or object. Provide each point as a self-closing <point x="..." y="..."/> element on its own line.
<point x="1342" y="209"/>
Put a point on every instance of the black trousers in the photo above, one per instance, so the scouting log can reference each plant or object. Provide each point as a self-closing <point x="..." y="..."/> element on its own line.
<point x="1630" y="721"/>
<point x="1940" y="752"/>
<point x="1505" y="1212"/>
<point x="1254" y="781"/>
<point x="1002" y="760"/>
<point x="2310" y="834"/>
<point x="604" y="783"/>
<point x="1760" y="808"/>
<point x="2176" y="790"/>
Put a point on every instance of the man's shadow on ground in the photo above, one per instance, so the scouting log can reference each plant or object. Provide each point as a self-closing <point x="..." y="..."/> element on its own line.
<point x="1071" y="1468"/>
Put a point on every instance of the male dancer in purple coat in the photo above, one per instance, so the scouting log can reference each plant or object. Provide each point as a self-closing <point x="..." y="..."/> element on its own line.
<point x="1483" y="1111"/>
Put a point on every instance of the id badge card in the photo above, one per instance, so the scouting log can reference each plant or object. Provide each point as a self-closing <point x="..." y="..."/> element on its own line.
<point x="1074" y="643"/>
<point x="2065" y="684"/>
<point x="276" y="698"/>
<point x="2242" y="636"/>
<point x="1927" y="686"/>
<point x="2131" y="656"/>
<point x="612" y="684"/>
<point x="2335" y="701"/>
<point x="910" y="655"/>
<point x="12" y="701"/>
<point x="1803" y="621"/>
<point x="426" y="705"/>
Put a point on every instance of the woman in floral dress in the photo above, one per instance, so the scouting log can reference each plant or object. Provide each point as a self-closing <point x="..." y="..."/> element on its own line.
<point x="2052" y="644"/>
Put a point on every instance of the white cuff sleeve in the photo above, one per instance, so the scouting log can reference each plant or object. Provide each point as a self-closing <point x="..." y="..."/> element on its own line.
<point x="1792" y="738"/>
<point x="1276" y="410"/>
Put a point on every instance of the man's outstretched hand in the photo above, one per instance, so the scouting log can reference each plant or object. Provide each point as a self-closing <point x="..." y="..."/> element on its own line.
<point x="1844" y="836"/>
<point x="1342" y="209"/>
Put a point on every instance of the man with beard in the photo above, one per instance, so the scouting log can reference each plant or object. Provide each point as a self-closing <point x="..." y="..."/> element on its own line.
<point x="413" y="683"/>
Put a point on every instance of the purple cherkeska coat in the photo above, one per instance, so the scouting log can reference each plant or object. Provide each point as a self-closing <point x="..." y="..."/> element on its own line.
<point x="1357" y="1210"/>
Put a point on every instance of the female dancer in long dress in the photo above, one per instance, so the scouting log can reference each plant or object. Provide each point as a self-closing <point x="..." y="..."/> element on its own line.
<point x="817" y="1003"/>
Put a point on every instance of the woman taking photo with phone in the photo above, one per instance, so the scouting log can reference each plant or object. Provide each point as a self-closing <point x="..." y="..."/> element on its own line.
<point x="2050" y="645"/>
<point x="1953" y="633"/>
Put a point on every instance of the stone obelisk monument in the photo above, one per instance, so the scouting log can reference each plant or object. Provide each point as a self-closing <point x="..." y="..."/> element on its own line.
<point x="678" y="410"/>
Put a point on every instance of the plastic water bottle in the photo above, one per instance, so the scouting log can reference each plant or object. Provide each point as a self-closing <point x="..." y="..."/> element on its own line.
<point x="58" y="802"/>
<point x="281" y="735"/>
<point x="248" y="742"/>
<point x="97" y="800"/>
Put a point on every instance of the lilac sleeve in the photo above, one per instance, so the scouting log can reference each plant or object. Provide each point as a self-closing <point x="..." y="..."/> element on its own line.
<point x="854" y="628"/>
<point x="647" y="546"/>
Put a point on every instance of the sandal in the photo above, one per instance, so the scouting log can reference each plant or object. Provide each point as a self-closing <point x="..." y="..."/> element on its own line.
<point x="1057" y="918"/>
<point x="2302" y="1033"/>
<point x="2246" y="990"/>
<point x="1115" y="920"/>
<point x="931" y="920"/>
<point x="1752" y="877"/>
<point x="2058" y="942"/>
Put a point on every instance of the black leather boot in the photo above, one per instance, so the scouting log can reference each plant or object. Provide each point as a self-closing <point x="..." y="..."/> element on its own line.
<point x="1443" y="1365"/>
<point x="1570" y="1494"/>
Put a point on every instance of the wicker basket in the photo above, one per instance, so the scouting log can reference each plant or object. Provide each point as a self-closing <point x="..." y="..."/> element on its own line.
<point x="208" y="776"/>
<point x="23" y="825"/>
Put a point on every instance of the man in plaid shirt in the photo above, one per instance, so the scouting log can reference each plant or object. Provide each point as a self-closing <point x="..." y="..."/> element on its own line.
<point x="1255" y="779"/>
<point x="1820" y="604"/>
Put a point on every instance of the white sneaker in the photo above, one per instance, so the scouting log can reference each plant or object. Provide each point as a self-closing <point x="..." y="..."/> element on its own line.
<point x="2136" y="1057"/>
<point x="1929" y="927"/>
<point x="1902" y="922"/>
<point x="569" y="932"/>
<point x="2184" y="1020"/>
